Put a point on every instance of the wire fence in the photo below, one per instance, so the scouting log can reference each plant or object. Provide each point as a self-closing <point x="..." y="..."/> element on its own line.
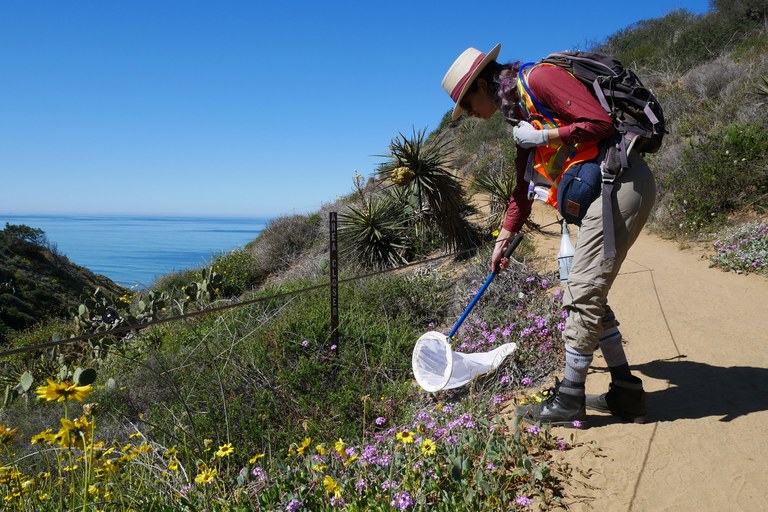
<point x="207" y="311"/>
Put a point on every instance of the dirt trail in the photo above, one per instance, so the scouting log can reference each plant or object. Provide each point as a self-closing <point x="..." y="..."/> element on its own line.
<point x="698" y="339"/>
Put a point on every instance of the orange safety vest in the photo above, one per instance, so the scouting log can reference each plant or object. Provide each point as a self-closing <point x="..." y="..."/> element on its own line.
<point x="551" y="161"/>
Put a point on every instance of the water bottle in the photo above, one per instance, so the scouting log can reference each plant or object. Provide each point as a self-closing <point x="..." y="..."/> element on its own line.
<point x="565" y="255"/>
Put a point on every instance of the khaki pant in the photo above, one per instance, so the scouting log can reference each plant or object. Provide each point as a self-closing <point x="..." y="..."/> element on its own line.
<point x="591" y="276"/>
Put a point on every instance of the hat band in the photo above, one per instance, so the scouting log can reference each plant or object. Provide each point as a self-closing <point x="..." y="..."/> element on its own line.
<point x="460" y="85"/>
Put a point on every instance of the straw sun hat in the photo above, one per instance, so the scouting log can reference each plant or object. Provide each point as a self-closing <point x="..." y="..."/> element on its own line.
<point x="463" y="72"/>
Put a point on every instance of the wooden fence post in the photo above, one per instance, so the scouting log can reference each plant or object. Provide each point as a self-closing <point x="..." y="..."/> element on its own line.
<point x="334" y="267"/>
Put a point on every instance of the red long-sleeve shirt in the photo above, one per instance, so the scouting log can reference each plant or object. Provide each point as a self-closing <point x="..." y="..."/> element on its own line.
<point x="566" y="98"/>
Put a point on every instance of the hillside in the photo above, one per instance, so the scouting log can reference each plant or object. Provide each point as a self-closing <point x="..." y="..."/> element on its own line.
<point x="37" y="283"/>
<point x="302" y="423"/>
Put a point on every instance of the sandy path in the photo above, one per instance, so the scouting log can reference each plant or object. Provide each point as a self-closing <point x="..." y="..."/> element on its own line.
<point x="698" y="339"/>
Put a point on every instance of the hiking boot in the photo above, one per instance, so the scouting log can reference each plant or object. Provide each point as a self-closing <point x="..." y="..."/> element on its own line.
<point x="563" y="406"/>
<point x="625" y="399"/>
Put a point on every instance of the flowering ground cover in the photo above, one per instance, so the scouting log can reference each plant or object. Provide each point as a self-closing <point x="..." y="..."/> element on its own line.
<point x="192" y="423"/>
<point x="743" y="249"/>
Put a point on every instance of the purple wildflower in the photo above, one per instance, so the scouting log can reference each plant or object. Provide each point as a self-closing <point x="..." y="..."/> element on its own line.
<point x="361" y="485"/>
<point x="504" y="379"/>
<point x="305" y="343"/>
<point x="259" y="473"/>
<point x="524" y="501"/>
<point x="185" y="490"/>
<point x="294" y="504"/>
<point x="526" y="381"/>
<point x="381" y="420"/>
<point x="491" y="466"/>
<point x="337" y="502"/>
<point x="498" y="399"/>
<point x="576" y="424"/>
<point x="401" y="500"/>
<point x="369" y="454"/>
<point x="534" y="430"/>
<point x="388" y="484"/>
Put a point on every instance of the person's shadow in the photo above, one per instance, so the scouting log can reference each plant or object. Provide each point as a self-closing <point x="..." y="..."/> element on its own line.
<point x="700" y="390"/>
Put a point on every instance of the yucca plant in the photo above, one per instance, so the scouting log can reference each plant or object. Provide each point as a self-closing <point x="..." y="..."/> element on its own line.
<point x="762" y="87"/>
<point x="498" y="187"/>
<point x="420" y="167"/>
<point x="376" y="232"/>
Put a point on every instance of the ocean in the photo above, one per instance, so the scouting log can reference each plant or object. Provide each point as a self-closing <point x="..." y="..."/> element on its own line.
<point x="135" y="250"/>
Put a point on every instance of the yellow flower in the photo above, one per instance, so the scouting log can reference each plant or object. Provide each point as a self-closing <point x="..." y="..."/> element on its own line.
<point x="8" y="474"/>
<point x="93" y="490"/>
<point x="428" y="447"/>
<point x="7" y="434"/>
<point x="319" y="467"/>
<point x="331" y="486"/>
<point x="170" y="453"/>
<point x="74" y="433"/>
<point x="339" y="446"/>
<point x="60" y="391"/>
<point x="173" y="464"/>
<point x="43" y="437"/>
<point x="225" y="450"/>
<point x="401" y="175"/>
<point x="350" y="460"/>
<point x="208" y="443"/>
<point x="321" y="449"/>
<point x="303" y="446"/>
<point x="135" y="434"/>
<point x="145" y="448"/>
<point x="255" y="458"/>
<point x="495" y="232"/>
<point x="405" y="437"/>
<point x="206" y="476"/>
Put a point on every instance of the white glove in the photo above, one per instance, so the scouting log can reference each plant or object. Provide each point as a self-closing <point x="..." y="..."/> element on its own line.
<point x="527" y="136"/>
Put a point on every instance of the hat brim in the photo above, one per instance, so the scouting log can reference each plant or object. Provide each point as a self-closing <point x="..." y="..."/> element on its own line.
<point x="491" y="55"/>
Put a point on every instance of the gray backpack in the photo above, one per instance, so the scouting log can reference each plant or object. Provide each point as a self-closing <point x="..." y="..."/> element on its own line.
<point x="636" y="113"/>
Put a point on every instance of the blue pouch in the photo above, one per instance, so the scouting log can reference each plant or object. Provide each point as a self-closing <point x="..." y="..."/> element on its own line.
<point x="579" y="186"/>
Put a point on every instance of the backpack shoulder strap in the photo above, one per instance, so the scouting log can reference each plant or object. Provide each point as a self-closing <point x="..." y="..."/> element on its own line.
<point x="522" y="79"/>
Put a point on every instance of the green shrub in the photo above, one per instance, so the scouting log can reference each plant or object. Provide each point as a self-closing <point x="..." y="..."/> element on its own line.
<point x="721" y="174"/>
<point x="239" y="270"/>
<point x="282" y="241"/>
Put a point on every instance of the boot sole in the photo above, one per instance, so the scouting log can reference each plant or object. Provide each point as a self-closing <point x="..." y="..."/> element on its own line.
<point x="567" y="424"/>
<point x="624" y="417"/>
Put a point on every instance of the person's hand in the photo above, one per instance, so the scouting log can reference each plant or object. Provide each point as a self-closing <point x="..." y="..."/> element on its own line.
<point x="498" y="261"/>
<point x="526" y="136"/>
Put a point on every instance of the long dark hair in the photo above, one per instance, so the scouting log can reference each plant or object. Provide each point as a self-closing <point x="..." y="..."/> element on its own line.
<point x="502" y="86"/>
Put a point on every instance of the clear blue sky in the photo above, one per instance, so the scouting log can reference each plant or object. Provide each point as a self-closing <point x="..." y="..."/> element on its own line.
<point x="241" y="108"/>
